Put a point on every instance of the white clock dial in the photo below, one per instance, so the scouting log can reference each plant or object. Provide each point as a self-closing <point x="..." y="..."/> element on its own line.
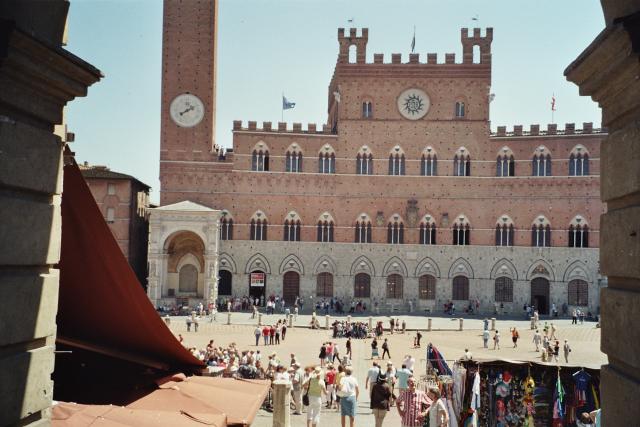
<point x="413" y="104"/>
<point x="186" y="110"/>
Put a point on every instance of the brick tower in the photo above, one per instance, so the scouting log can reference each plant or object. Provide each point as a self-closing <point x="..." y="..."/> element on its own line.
<point x="189" y="45"/>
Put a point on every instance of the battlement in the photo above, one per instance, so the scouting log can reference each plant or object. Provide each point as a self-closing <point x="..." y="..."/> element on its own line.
<point x="283" y="127"/>
<point x="468" y="43"/>
<point x="552" y="129"/>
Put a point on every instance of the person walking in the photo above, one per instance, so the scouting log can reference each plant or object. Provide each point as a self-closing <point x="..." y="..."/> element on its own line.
<point x="537" y="340"/>
<point x="567" y="350"/>
<point x="374" y="349"/>
<point x="315" y="389"/>
<point x="330" y="381"/>
<point x="350" y="392"/>
<point x="437" y="414"/>
<point x="278" y="332"/>
<point x="349" y="353"/>
<point x="554" y="329"/>
<point x="574" y="317"/>
<point x="402" y="375"/>
<point x="336" y="352"/>
<point x="272" y="334"/>
<point x="485" y="338"/>
<point x="556" y="351"/>
<point x="257" y="332"/>
<point x="323" y="354"/>
<point x="411" y="405"/>
<point x="545" y="342"/>
<point x="380" y="399"/>
<point x="496" y="340"/>
<point x="514" y="337"/>
<point x="284" y="329"/>
<point x="297" y="380"/>
<point x="385" y="349"/>
<point x="418" y="338"/>
<point x="265" y="335"/>
<point x="391" y="325"/>
<point x="372" y="376"/>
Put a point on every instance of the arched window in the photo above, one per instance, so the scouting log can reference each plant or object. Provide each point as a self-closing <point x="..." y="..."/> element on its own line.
<point x="363" y="229"/>
<point x="579" y="161"/>
<point x="367" y="110"/>
<point x="327" y="163"/>
<point x="427" y="287"/>
<point x="504" y="289"/>
<point x="505" y="163"/>
<point x="325" y="228"/>
<point x="427" y="231"/>
<point x="395" y="230"/>
<point x="292" y="228"/>
<point x="429" y="163"/>
<point x="461" y="231"/>
<point x="260" y="160"/>
<point x="396" y="161"/>
<point x="578" y="293"/>
<point x="394" y="286"/>
<point x="362" y="286"/>
<point x="541" y="233"/>
<point x="226" y="228"/>
<point x="460" y="109"/>
<point x="460" y="288"/>
<point x="364" y="162"/>
<point x="541" y="164"/>
<point x="462" y="163"/>
<point x="578" y="233"/>
<point x="505" y="231"/>
<point x="324" y="285"/>
<point x="258" y="227"/>
<point x="188" y="279"/>
<point x="293" y="160"/>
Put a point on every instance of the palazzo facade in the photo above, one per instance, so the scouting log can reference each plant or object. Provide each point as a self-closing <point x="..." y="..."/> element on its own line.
<point x="403" y="198"/>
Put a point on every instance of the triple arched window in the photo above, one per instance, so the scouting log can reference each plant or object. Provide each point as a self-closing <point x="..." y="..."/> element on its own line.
<point x="364" y="162"/>
<point x="429" y="163"/>
<point x="462" y="163"/>
<point x="505" y="164"/>
<point x="579" y="162"/>
<point x="578" y="233"/>
<point x="325" y="228"/>
<point x="226" y="229"/>
<point x="541" y="163"/>
<point x="327" y="163"/>
<point x="292" y="229"/>
<point x="258" y="229"/>
<point x="363" y="229"/>
<point x="427" y="231"/>
<point x="505" y="232"/>
<point x="260" y="160"/>
<point x="396" y="162"/>
<point x="293" y="161"/>
<point x="461" y="232"/>
<point x="395" y="230"/>
<point x="541" y="233"/>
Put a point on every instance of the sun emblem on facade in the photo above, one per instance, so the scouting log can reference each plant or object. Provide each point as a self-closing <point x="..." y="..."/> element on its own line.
<point x="413" y="104"/>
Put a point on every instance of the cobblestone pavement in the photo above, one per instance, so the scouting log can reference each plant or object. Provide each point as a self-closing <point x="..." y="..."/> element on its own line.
<point x="305" y="343"/>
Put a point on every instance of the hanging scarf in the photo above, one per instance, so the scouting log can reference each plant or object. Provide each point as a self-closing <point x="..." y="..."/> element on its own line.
<point x="436" y="360"/>
<point x="558" y="404"/>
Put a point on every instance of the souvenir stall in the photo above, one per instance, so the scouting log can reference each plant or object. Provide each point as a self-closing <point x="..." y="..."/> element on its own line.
<point x="506" y="393"/>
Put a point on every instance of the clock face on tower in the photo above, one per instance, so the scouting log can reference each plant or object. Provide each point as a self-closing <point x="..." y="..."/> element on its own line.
<point x="413" y="104"/>
<point x="186" y="110"/>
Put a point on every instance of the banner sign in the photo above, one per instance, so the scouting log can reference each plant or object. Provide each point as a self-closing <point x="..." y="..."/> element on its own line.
<point x="257" y="279"/>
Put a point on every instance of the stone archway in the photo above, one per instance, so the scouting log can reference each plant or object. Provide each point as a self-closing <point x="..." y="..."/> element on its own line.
<point x="540" y="287"/>
<point x="290" y="287"/>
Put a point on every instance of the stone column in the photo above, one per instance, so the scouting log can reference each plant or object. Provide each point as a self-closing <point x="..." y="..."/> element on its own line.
<point x="327" y="320"/>
<point x="281" y="404"/>
<point x="461" y="320"/>
<point x="429" y="324"/>
<point x="608" y="71"/>
<point x="37" y="79"/>
<point x="493" y="323"/>
<point x="260" y="319"/>
<point x="228" y="318"/>
<point x="370" y="323"/>
<point x="533" y="323"/>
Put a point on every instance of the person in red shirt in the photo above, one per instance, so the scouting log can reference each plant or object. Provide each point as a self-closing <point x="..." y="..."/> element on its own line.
<point x="272" y="334"/>
<point x="265" y="334"/>
<point x="411" y="404"/>
<point x="330" y="381"/>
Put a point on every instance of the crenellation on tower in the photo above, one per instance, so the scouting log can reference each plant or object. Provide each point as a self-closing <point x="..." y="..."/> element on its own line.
<point x="534" y="130"/>
<point x="432" y="58"/>
<point x="414" y="58"/>
<point x="396" y="58"/>
<point x="353" y="40"/>
<point x="449" y="58"/>
<point x="378" y="58"/>
<point x="552" y="130"/>
<point x="484" y="43"/>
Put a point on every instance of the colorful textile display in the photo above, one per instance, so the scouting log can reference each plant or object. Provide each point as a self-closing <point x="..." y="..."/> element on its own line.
<point x="436" y="360"/>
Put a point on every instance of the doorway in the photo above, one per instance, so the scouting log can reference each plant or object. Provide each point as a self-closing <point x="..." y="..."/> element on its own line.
<point x="290" y="287"/>
<point x="258" y="286"/>
<point x="540" y="294"/>
<point x="224" y="282"/>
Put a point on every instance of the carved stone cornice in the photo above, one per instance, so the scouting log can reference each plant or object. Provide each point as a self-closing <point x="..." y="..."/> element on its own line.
<point x="608" y="71"/>
<point x="37" y="79"/>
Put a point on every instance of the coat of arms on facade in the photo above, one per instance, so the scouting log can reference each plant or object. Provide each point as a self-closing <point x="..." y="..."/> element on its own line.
<point x="412" y="212"/>
<point x="541" y="270"/>
<point x="380" y="219"/>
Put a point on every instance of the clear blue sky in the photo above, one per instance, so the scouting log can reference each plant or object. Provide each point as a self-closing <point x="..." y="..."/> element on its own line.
<point x="267" y="47"/>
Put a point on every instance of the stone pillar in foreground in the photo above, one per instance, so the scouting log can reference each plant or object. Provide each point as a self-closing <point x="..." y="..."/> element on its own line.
<point x="429" y="324"/>
<point x="281" y="404"/>
<point x="493" y="323"/>
<point x="461" y="320"/>
<point x="609" y="71"/>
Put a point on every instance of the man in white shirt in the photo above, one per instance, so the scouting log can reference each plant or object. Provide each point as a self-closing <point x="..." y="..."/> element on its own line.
<point x="372" y="376"/>
<point x="297" y="379"/>
<point x="409" y="361"/>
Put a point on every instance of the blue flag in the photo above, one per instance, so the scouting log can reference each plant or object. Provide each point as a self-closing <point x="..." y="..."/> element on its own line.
<point x="286" y="105"/>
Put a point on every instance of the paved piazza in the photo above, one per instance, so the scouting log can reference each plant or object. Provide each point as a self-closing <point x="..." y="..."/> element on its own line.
<point x="305" y="343"/>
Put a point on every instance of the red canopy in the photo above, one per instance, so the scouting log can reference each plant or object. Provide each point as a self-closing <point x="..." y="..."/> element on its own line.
<point x="102" y="306"/>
